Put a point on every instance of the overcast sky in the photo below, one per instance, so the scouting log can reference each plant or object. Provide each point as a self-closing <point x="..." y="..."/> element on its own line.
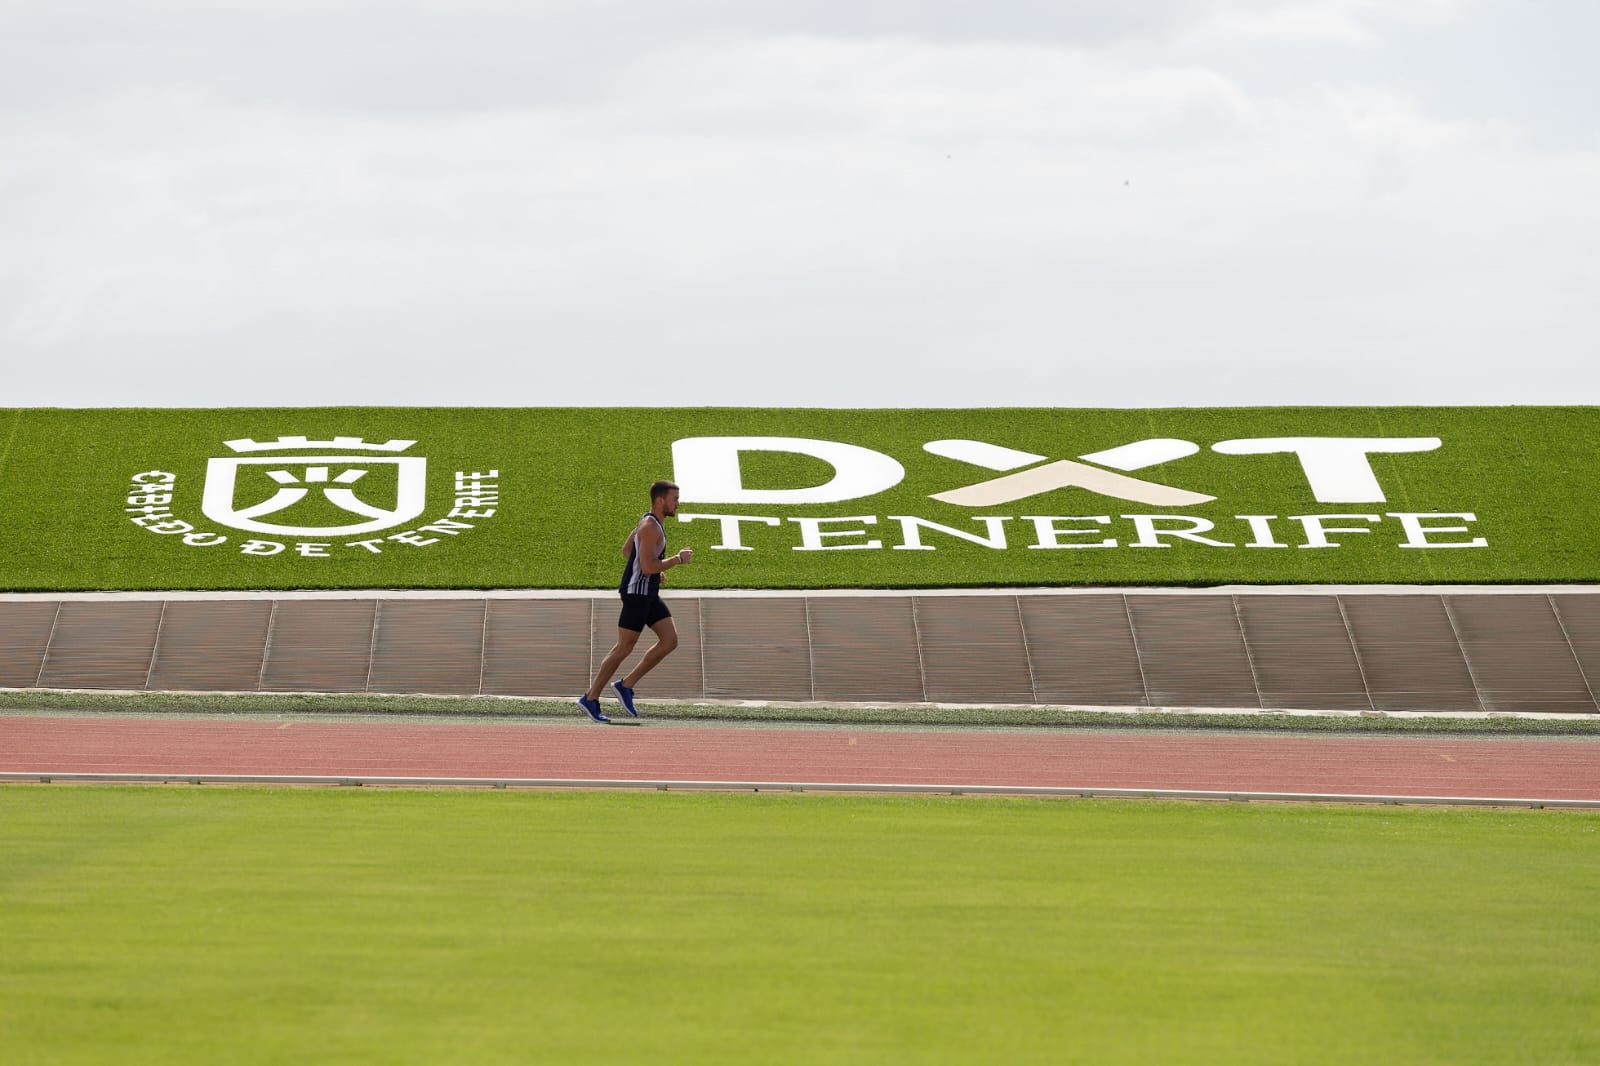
<point x="799" y="202"/>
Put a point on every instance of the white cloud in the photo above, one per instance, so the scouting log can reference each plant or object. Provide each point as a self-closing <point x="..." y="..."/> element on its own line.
<point x="1345" y="22"/>
<point x="798" y="219"/>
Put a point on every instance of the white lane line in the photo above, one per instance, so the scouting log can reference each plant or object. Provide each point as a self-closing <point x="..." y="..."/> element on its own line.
<point x="665" y="785"/>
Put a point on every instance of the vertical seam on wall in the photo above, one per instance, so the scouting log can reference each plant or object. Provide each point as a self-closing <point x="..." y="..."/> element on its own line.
<point x="1027" y="654"/>
<point x="700" y="638"/>
<point x="1138" y="656"/>
<point x="1249" y="656"/>
<point x="1555" y="610"/>
<point x="372" y="643"/>
<point x="1472" y="675"/>
<point x="266" y="650"/>
<point x="1355" y="650"/>
<point x="155" y="649"/>
<point x="48" y="641"/>
<point x="916" y="635"/>
<point x="483" y="644"/>
<point x="811" y="652"/>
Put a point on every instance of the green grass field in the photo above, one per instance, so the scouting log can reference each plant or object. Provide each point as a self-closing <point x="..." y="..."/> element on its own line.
<point x="572" y="481"/>
<point x="335" y="925"/>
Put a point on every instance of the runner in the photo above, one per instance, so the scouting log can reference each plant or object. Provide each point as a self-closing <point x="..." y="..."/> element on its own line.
<point x="640" y="588"/>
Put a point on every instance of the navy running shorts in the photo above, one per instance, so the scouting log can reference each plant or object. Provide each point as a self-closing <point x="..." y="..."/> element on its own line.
<point x="641" y="611"/>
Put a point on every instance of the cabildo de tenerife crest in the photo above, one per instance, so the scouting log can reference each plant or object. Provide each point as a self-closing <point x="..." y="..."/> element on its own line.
<point x="314" y="498"/>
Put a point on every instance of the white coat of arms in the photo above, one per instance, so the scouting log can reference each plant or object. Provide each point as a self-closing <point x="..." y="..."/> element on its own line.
<point x="337" y="478"/>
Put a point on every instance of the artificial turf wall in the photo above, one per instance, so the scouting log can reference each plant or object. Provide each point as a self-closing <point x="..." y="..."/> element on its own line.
<point x="791" y="498"/>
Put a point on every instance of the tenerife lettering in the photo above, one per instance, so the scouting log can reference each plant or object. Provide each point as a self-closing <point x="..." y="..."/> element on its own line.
<point x="1413" y="529"/>
<point x="311" y="500"/>
<point x="1337" y="470"/>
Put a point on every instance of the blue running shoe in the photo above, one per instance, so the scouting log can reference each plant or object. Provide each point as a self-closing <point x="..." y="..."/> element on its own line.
<point x="592" y="708"/>
<point x="625" y="694"/>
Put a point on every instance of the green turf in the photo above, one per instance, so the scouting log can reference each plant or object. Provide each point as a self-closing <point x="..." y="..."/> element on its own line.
<point x="334" y="925"/>
<point x="572" y="481"/>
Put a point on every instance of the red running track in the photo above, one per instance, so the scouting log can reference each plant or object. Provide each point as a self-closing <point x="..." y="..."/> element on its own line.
<point x="1551" y="769"/>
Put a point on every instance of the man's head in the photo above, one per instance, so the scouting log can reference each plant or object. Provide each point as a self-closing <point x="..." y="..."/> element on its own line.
<point x="664" y="496"/>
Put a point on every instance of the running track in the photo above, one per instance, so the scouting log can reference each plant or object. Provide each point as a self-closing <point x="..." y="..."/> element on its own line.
<point x="671" y="754"/>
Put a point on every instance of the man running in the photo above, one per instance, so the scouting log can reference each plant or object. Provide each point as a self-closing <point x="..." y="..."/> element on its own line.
<point x="646" y="552"/>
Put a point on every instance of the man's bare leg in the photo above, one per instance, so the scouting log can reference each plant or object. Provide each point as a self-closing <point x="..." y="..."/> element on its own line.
<point x="666" y="640"/>
<point x="626" y="639"/>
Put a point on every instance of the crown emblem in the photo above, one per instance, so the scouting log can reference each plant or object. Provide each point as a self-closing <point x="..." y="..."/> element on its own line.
<point x="245" y="444"/>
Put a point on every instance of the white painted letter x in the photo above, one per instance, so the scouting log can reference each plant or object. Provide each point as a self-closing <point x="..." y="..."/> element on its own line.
<point x="1066" y="474"/>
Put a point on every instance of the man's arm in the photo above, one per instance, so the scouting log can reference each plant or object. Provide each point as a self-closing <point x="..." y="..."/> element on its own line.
<point x="649" y="540"/>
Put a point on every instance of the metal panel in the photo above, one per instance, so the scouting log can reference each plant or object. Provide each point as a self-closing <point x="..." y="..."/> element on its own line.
<point x="1192" y="651"/>
<point x="1409" y="653"/>
<point x="865" y="649"/>
<point x="1082" y="651"/>
<point x="757" y="649"/>
<point x="24" y="635"/>
<point x="537" y="647"/>
<point x="102" y="645"/>
<point x="1518" y="654"/>
<point x="428" y="646"/>
<point x="1302" y="653"/>
<point x="319" y="646"/>
<point x="1579" y="615"/>
<point x="973" y="650"/>
<point x="211" y="645"/>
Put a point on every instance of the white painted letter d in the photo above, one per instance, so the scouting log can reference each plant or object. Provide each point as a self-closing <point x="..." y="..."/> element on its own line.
<point x="707" y="470"/>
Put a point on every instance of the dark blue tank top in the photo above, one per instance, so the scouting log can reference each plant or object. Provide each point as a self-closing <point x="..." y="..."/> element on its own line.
<point x="635" y="582"/>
